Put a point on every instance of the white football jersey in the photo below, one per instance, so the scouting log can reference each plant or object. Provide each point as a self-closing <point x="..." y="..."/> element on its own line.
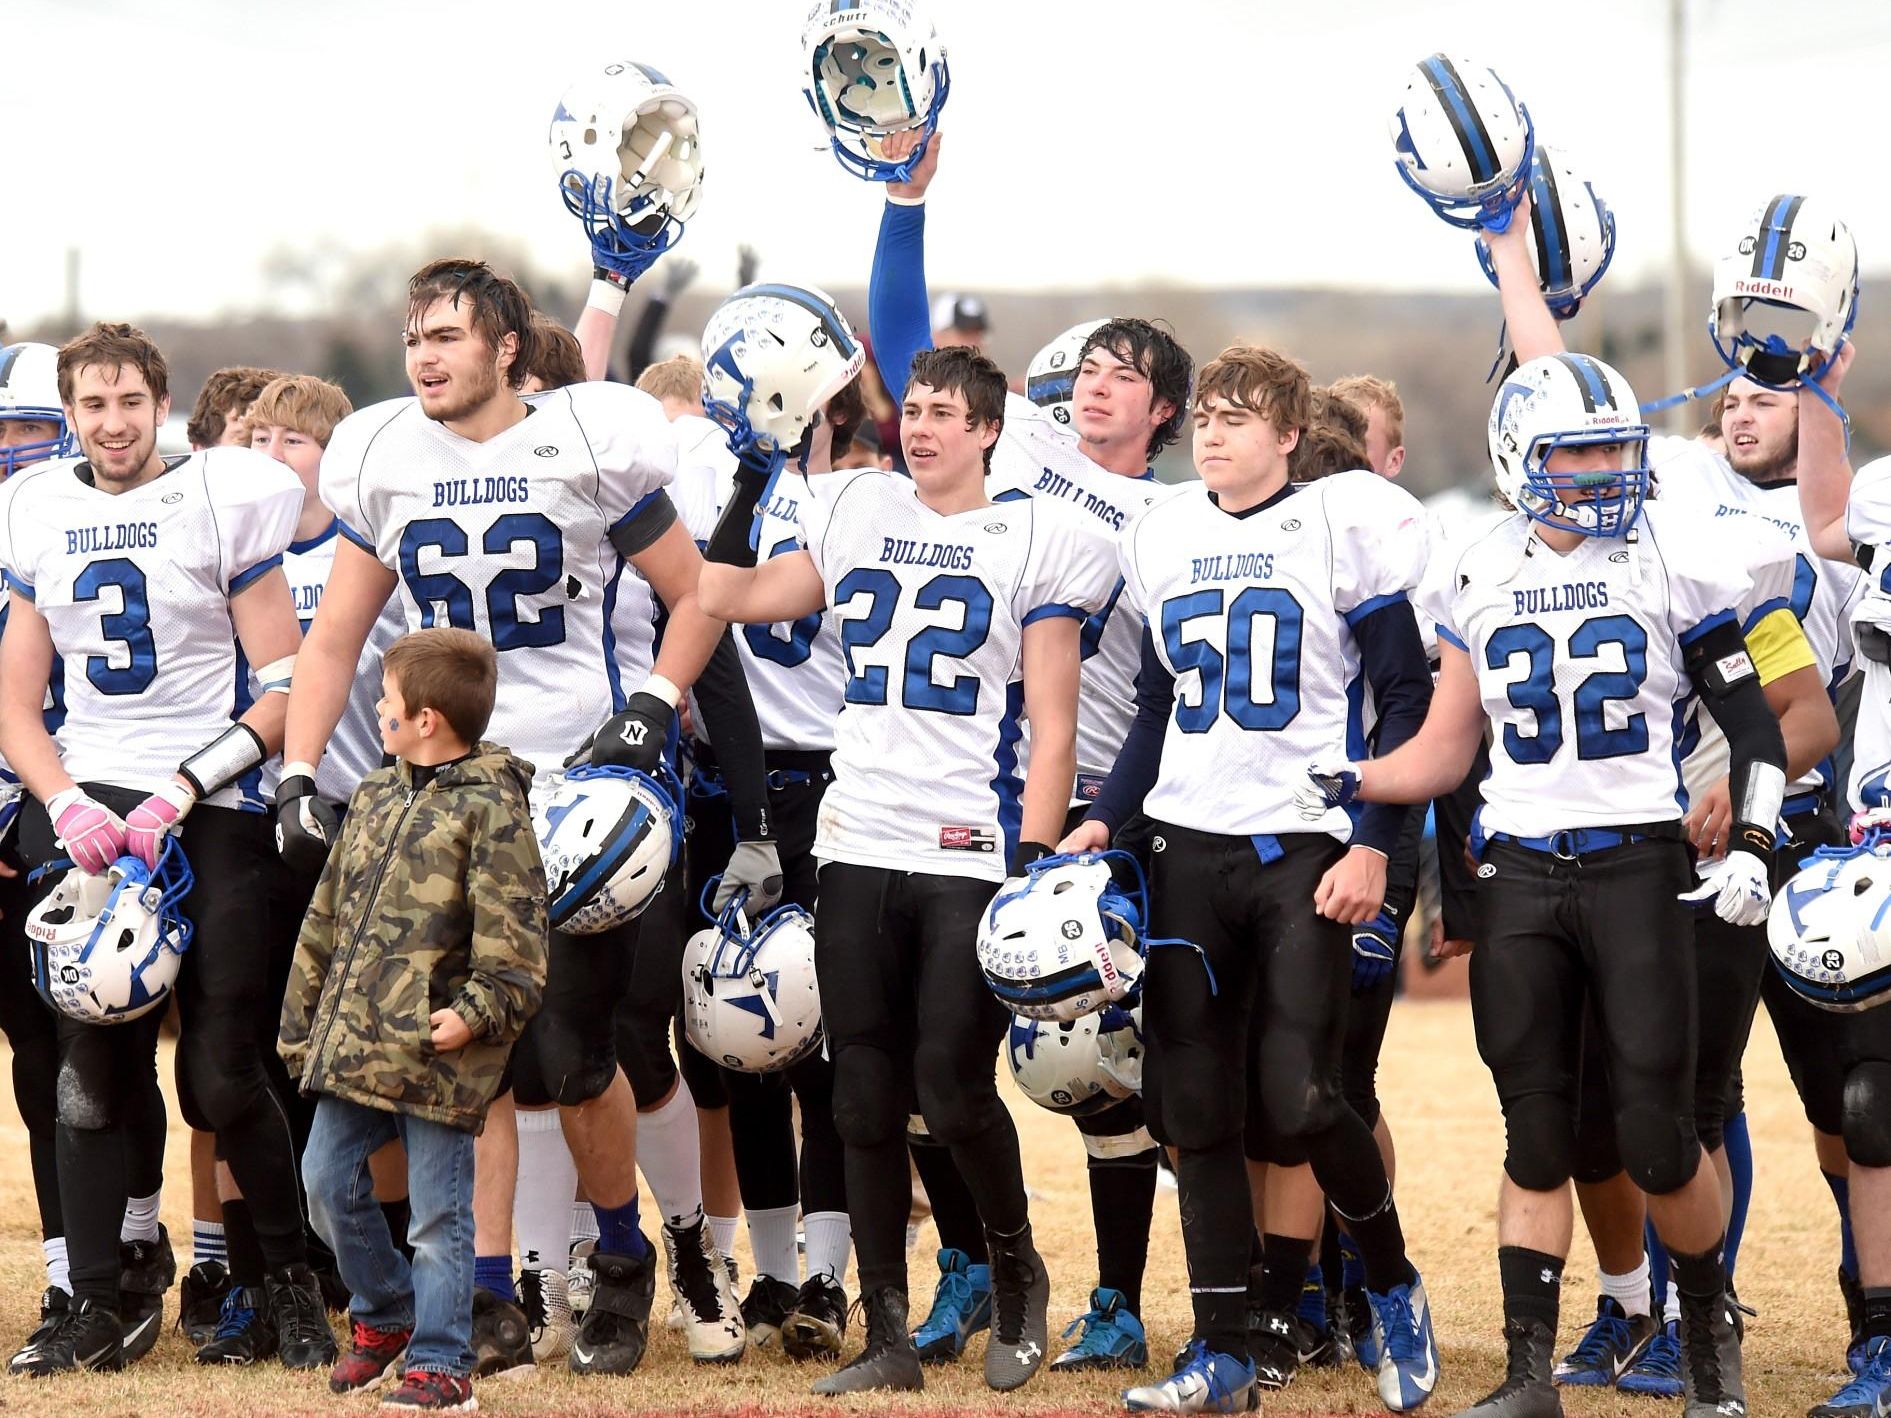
<point x="1037" y="457"/>
<point x="1252" y="616"/>
<point x="1868" y="524"/>
<point x="135" y="588"/>
<point x="354" y="751"/>
<point x="930" y="612"/>
<point x="1579" y="663"/>
<point x="511" y="538"/>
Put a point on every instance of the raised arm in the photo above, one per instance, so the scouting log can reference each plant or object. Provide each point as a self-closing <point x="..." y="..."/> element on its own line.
<point x="1825" y="470"/>
<point x="1533" y="330"/>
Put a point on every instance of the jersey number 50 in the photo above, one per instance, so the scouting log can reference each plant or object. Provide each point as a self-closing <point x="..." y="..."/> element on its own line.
<point x="1227" y="681"/>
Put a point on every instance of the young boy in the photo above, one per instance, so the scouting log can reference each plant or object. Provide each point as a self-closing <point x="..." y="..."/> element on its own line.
<point x="421" y="959"/>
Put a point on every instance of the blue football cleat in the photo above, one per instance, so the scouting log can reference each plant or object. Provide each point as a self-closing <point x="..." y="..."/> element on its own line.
<point x="1658" y="1372"/>
<point x="1111" y="1337"/>
<point x="1607" y="1349"/>
<point x="1209" y="1382"/>
<point x="1408" y="1351"/>
<point x="1868" y="1395"/>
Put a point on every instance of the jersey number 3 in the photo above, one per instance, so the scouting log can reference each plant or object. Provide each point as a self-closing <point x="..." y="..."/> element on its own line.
<point x="130" y="625"/>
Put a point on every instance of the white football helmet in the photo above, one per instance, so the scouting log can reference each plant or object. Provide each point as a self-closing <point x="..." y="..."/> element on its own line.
<point x="1572" y="233"/>
<point x="29" y="391"/>
<point x="607" y="837"/>
<point x="1462" y="141"/>
<point x="873" y="68"/>
<point x="1794" y="263"/>
<point x="1077" y="1066"/>
<point x="750" y="999"/>
<point x="1569" y="401"/>
<point x="1064" y="942"/>
<point x="1051" y="381"/>
<point x="107" y="948"/>
<point x="773" y="355"/>
<point x="630" y="166"/>
<point x="1828" y="934"/>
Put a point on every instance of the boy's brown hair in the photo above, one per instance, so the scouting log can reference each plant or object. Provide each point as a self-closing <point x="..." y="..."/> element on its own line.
<point x="452" y="672"/>
<point x="962" y="370"/>
<point x="680" y="378"/>
<point x="1264" y="381"/>
<point x="226" y="395"/>
<point x="113" y="346"/>
<point x="1370" y="392"/>
<point x="498" y="307"/>
<point x="302" y="404"/>
<point x="558" y="359"/>
<point x="1325" y="448"/>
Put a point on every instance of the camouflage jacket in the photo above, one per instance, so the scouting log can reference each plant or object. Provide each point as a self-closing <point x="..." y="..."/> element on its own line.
<point x="434" y="897"/>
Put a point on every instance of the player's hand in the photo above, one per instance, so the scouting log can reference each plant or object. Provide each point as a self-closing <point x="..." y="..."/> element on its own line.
<point x="1353" y="889"/>
<point x="1709" y="820"/>
<point x="1502" y="227"/>
<point x="92" y="834"/>
<point x="1090" y="835"/>
<point x="1445" y="947"/>
<point x="634" y="737"/>
<point x="448" y="1030"/>
<point x="678" y="273"/>
<point x="1331" y="782"/>
<point x="305" y="825"/>
<point x="1831" y="374"/>
<point x="154" y="819"/>
<point x="897" y="147"/>
<point x="1740" y="888"/>
<point x="1375" y="951"/>
<point x="1872" y="819"/>
<point x="747" y="262"/>
<point x="754" y="867"/>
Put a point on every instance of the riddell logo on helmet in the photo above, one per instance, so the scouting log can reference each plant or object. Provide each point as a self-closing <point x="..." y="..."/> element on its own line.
<point x="1771" y="290"/>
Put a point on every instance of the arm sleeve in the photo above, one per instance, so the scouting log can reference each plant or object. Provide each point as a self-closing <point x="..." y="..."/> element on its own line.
<point x="256" y="502"/>
<point x="643" y="339"/>
<point x="730" y="724"/>
<point x="1393" y="658"/>
<point x="898" y="316"/>
<point x="1134" y="773"/>
<point x="505" y="891"/>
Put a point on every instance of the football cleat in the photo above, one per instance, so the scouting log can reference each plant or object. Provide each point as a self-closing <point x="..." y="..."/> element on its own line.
<point x="764" y="1308"/>
<point x="1109" y="1336"/>
<point x="889" y="1361"/>
<point x="1280" y="1342"/>
<point x="1408" y="1357"/>
<point x="1526" y="1391"/>
<point x="578" y="1278"/>
<point x="961" y="1307"/>
<point x="712" y="1317"/>
<point x="145" y="1271"/>
<point x="1711" y="1375"/>
<point x="1020" y="1300"/>
<point x="1657" y="1372"/>
<point x="502" y="1337"/>
<point x="200" y="1300"/>
<point x="53" y="1305"/>
<point x="1868" y="1395"/>
<point x="1207" y="1382"/>
<point x="547" y="1307"/>
<point x="85" y="1336"/>
<point x="616" y="1325"/>
<point x="245" y="1332"/>
<point x="303" y="1338"/>
<point x="1611" y="1344"/>
<point x="817" y="1320"/>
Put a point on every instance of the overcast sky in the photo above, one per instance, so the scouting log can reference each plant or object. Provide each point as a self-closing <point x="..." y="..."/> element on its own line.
<point x="1211" y="142"/>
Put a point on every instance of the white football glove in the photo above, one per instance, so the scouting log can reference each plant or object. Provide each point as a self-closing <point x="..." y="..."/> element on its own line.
<point x="1331" y="782"/>
<point x="1739" y="886"/>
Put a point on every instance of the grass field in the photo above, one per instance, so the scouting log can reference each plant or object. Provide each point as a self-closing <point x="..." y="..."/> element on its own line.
<point x="1444" y="1115"/>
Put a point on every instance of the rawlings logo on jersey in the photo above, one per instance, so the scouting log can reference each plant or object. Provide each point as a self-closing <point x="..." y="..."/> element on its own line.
<point x="956" y="838"/>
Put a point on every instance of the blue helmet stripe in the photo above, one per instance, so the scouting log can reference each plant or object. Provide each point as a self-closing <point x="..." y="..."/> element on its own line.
<point x="1769" y="252"/>
<point x="1552" y="247"/>
<point x="830" y="317"/>
<point x="1444" y="80"/>
<point x="1589" y="382"/>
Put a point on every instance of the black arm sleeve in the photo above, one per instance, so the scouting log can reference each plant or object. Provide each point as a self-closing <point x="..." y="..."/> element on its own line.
<point x="1393" y="656"/>
<point x="1722" y="671"/>
<point x="643" y="339"/>
<point x="643" y="524"/>
<point x="730" y="543"/>
<point x="731" y="728"/>
<point x="1451" y="816"/>
<point x="1134" y="772"/>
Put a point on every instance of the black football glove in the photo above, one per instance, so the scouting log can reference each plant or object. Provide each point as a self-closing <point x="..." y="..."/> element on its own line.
<point x="306" y="826"/>
<point x="634" y="737"/>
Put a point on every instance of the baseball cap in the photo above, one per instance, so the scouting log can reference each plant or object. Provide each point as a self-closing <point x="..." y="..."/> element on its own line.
<point x="956" y="311"/>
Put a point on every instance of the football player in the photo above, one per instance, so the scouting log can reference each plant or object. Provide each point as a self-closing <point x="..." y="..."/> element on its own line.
<point x="162" y="578"/>
<point x="1579" y="625"/>
<point x="515" y="517"/>
<point x="1265" y="602"/>
<point x="1127" y="400"/>
<point x="955" y="615"/>
<point x="1846" y="1084"/>
<point x="217" y="418"/>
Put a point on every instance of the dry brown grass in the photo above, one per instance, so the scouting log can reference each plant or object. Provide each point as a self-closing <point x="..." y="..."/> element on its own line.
<point x="1444" y="1113"/>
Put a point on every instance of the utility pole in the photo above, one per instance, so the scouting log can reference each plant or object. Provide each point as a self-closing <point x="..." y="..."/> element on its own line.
<point x="72" y="290"/>
<point x="1674" y="344"/>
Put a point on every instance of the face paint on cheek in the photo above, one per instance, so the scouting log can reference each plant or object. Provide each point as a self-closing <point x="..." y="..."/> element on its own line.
<point x="393" y="726"/>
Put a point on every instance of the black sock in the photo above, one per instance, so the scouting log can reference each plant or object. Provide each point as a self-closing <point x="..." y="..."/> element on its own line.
<point x="246" y="1252"/>
<point x="1381" y="1243"/>
<point x="1122" y="1200"/>
<point x="1332" y="1265"/>
<point x="880" y="1196"/>
<point x="1875" y="1321"/>
<point x="398" y="1214"/>
<point x="1217" y="1210"/>
<point x="1284" y="1271"/>
<point x="1700" y="1277"/>
<point x="954" y="1213"/>
<point x="1533" y="1285"/>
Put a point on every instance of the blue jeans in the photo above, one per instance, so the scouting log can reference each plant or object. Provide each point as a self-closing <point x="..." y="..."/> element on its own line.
<point x="435" y="1296"/>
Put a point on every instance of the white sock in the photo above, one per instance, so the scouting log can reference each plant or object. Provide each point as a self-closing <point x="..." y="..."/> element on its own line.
<point x="830" y="1238"/>
<point x="671" y="1156"/>
<point x="1671" y="1312"/>
<point x="722" y="1229"/>
<point x="584" y="1223"/>
<point x="141" y="1218"/>
<point x="541" y="1206"/>
<point x="771" y="1237"/>
<point x="207" y="1243"/>
<point x="1629" y="1290"/>
<point x="57" y="1275"/>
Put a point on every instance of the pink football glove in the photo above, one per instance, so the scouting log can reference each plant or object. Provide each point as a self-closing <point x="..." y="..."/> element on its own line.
<point x="149" y="823"/>
<point x="92" y="835"/>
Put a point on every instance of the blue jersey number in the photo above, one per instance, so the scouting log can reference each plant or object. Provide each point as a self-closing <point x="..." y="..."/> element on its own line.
<point x="766" y="644"/>
<point x="445" y="599"/>
<point x="918" y="690"/>
<point x="1227" y="681"/>
<point x="130" y="626"/>
<point x="1536" y="691"/>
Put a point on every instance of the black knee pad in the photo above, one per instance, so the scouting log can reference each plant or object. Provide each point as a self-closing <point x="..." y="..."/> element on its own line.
<point x="870" y="1100"/>
<point x="1299" y="1107"/>
<point x="647" y="1064"/>
<point x="1868" y="1114"/>
<point x="1659" y="1150"/>
<point x="1539" y="1142"/>
<point x="225" y="1072"/>
<point x="552" y="1065"/>
<point x="957" y="1110"/>
<point x="1200" y="1114"/>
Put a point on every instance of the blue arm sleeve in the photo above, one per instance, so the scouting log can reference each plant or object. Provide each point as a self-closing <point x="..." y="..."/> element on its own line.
<point x="1393" y="657"/>
<point x="898" y="316"/>
<point x="1134" y="773"/>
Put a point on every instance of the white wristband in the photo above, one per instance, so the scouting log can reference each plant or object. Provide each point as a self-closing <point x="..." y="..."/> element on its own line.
<point x="606" y="296"/>
<point x="298" y="769"/>
<point x="663" y="689"/>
